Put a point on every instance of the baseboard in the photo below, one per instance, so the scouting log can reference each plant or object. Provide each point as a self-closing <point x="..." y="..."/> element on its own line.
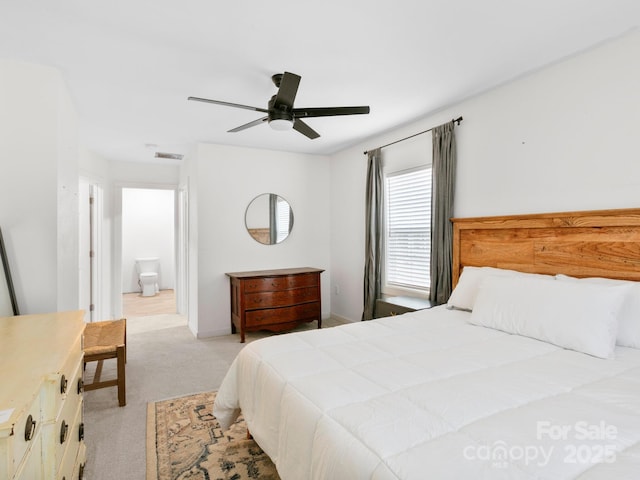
<point x="213" y="333"/>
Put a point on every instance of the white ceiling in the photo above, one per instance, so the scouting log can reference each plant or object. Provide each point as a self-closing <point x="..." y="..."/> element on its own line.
<point x="131" y="64"/>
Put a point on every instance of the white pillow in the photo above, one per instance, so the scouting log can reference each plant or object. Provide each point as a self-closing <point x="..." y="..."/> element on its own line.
<point x="629" y="315"/>
<point x="577" y="316"/>
<point x="464" y="295"/>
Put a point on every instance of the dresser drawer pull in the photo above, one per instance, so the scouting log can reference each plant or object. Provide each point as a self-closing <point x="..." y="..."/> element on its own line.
<point x="80" y="386"/>
<point x="63" y="385"/>
<point x="81" y="432"/>
<point x="29" y="429"/>
<point x="81" y="471"/>
<point x="64" y="430"/>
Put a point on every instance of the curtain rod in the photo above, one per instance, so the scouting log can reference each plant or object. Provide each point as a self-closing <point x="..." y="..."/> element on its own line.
<point x="456" y="120"/>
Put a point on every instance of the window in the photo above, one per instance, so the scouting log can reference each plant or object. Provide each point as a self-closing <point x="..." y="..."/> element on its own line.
<point x="283" y="217"/>
<point x="408" y="230"/>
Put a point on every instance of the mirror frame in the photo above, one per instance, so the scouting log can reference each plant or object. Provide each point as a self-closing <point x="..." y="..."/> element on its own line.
<point x="268" y="231"/>
<point x="7" y="276"/>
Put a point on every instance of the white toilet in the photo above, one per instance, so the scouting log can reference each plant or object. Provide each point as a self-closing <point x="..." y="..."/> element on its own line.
<point x="147" y="269"/>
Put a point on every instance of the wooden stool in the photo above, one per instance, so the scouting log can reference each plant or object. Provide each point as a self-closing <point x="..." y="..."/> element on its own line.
<point x="104" y="340"/>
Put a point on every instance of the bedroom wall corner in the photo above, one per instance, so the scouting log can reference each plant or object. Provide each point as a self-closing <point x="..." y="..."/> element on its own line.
<point x="228" y="179"/>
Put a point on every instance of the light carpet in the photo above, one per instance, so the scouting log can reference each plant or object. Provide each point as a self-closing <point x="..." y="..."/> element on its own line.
<point x="184" y="440"/>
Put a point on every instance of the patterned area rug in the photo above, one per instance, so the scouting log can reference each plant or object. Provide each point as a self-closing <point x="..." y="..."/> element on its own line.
<point x="184" y="441"/>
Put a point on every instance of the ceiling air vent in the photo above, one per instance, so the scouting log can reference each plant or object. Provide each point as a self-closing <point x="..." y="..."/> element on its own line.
<point x="170" y="156"/>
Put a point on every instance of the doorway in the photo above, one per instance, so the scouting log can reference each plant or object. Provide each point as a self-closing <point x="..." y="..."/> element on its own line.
<point x="149" y="239"/>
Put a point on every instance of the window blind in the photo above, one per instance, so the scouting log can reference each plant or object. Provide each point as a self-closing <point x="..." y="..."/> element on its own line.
<point x="408" y="228"/>
<point x="282" y="219"/>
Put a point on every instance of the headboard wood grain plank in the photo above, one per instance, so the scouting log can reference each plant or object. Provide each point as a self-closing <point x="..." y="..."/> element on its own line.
<point x="598" y="243"/>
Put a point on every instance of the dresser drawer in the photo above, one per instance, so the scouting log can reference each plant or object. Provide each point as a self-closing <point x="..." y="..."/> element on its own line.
<point x="267" y="284"/>
<point x="282" y="298"/>
<point x="63" y="384"/>
<point x="61" y="435"/>
<point x="74" y="452"/>
<point x="275" y="316"/>
<point x="31" y="469"/>
<point x="18" y="443"/>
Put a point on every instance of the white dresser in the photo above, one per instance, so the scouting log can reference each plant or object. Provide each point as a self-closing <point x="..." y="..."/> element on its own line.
<point x="41" y="416"/>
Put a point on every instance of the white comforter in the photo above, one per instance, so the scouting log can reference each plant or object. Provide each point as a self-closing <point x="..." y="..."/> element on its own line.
<point x="426" y="395"/>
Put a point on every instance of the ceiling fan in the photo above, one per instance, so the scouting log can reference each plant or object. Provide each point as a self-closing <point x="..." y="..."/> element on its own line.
<point x="280" y="112"/>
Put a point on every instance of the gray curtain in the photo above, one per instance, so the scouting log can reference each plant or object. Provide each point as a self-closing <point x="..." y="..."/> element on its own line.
<point x="273" y="218"/>
<point x="373" y="234"/>
<point x="443" y="187"/>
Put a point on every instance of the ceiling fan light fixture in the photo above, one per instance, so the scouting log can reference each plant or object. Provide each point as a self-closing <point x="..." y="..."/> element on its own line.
<point x="281" y="124"/>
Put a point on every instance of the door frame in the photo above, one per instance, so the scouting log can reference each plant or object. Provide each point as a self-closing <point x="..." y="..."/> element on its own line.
<point x="180" y="243"/>
<point x="90" y="271"/>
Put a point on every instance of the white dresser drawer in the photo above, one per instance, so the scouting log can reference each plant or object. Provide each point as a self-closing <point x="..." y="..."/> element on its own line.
<point x="20" y="442"/>
<point x="59" y="435"/>
<point x="61" y="384"/>
<point x="32" y="466"/>
<point x="74" y="453"/>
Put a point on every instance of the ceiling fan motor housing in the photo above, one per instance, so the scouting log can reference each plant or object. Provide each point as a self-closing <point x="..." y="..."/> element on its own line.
<point x="280" y="112"/>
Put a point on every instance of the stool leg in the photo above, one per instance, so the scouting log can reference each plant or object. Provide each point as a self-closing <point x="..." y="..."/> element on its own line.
<point x="98" y="372"/>
<point x="122" y="395"/>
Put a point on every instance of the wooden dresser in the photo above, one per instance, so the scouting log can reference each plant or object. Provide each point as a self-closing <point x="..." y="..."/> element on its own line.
<point x="41" y="423"/>
<point x="274" y="300"/>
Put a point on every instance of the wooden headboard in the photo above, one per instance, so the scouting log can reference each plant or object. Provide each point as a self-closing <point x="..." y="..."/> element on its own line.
<point x="600" y="243"/>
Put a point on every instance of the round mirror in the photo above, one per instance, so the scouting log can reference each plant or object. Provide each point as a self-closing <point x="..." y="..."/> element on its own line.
<point x="269" y="218"/>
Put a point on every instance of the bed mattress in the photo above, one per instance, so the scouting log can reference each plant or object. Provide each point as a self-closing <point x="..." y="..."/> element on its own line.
<point x="427" y="395"/>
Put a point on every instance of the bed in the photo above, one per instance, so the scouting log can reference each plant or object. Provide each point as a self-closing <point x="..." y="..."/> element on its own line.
<point x="531" y="371"/>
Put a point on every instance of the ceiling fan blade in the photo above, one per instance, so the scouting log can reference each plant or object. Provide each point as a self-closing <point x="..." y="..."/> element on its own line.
<point x="287" y="90"/>
<point x="305" y="129"/>
<point x="228" y="104"/>
<point x="328" y="111"/>
<point x="249" y="125"/>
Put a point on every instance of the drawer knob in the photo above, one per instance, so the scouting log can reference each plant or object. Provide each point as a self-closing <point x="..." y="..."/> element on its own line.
<point x="81" y="432"/>
<point x="63" y="385"/>
<point x="64" y="430"/>
<point x="80" y="386"/>
<point x="29" y="428"/>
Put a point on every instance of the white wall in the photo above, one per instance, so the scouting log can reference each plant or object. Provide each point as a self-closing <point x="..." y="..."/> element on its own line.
<point x="67" y="204"/>
<point x="228" y="178"/>
<point x="148" y="223"/>
<point x="560" y="139"/>
<point x="38" y="186"/>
